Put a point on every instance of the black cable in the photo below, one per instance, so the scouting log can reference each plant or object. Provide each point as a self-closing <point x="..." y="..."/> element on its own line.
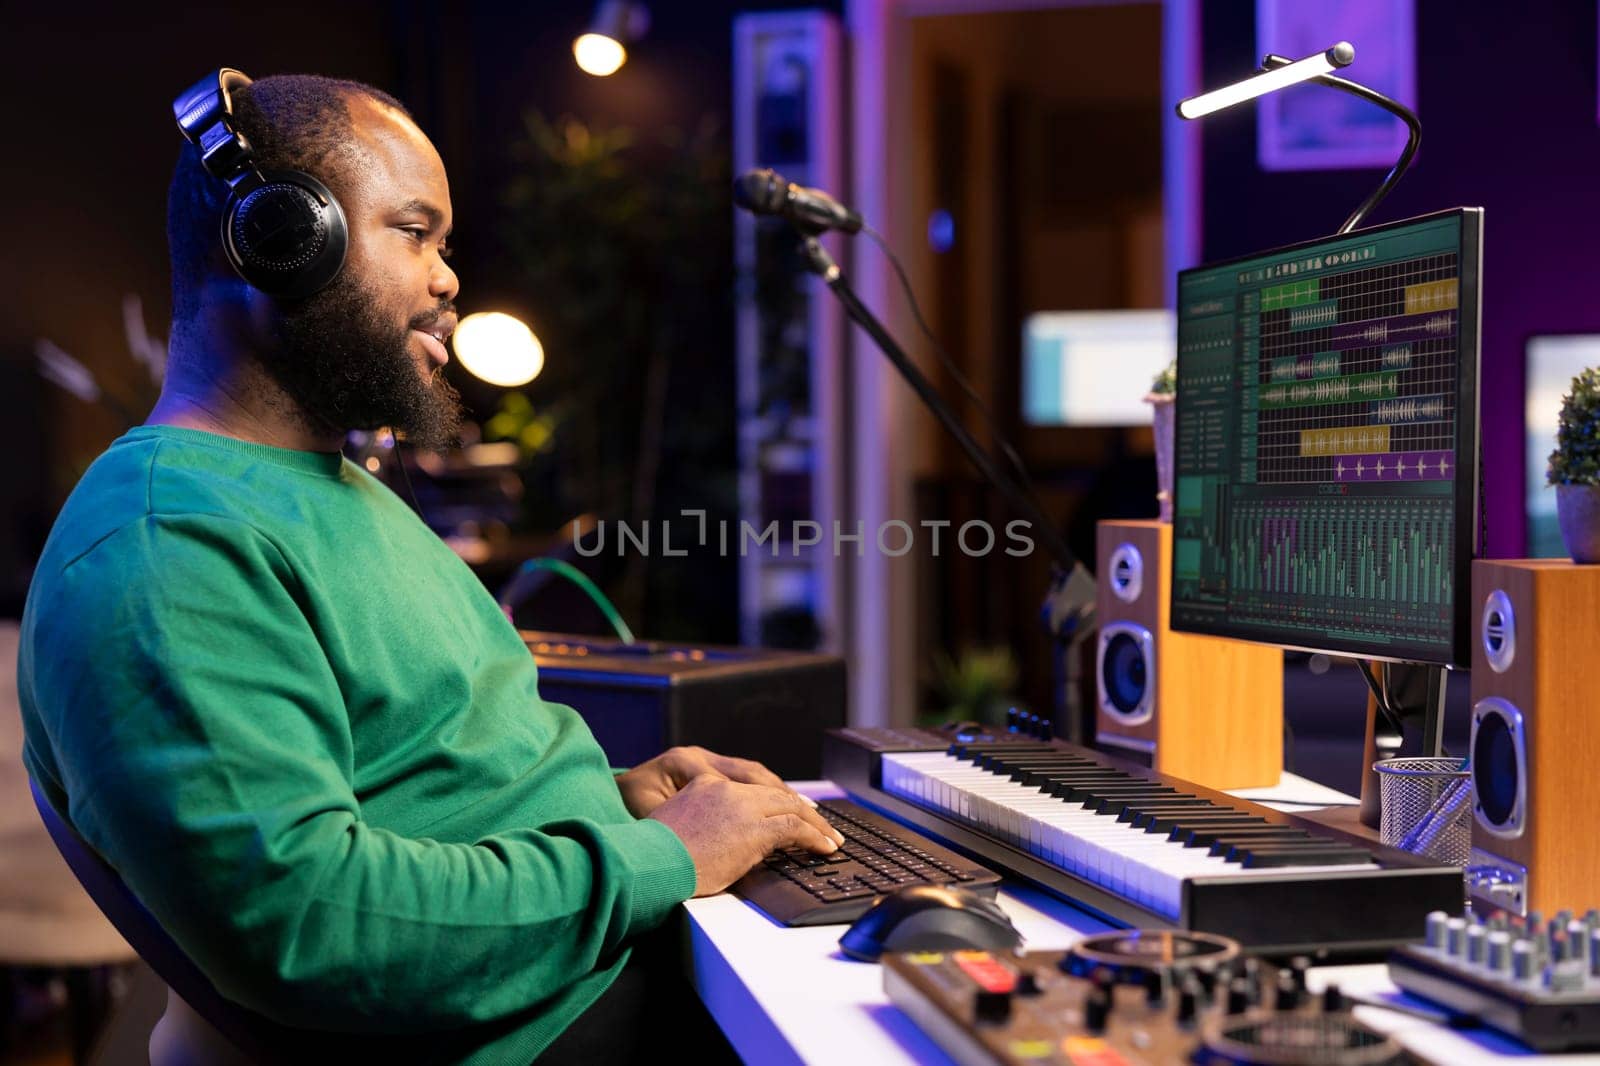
<point x="949" y="363"/>
<point x="405" y="477"/>
<point x="1381" y="695"/>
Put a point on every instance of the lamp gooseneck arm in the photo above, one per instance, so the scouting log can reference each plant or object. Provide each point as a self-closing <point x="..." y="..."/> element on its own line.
<point x="1409" y="117"/>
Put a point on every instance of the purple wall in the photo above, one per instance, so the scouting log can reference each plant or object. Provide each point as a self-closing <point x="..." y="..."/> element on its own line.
<point x="1508" y="109"/>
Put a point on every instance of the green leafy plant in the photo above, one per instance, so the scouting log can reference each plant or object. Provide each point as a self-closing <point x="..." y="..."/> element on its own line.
<point x="1576" y="460"/>
<point x="1166" y="382"/>
<point x="517" y="420"/>
<point x="977" y="686"/>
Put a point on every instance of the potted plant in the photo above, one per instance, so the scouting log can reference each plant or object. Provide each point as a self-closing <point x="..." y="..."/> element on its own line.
<point x="1163" y="392"/>
<point x="1575" y="468"/>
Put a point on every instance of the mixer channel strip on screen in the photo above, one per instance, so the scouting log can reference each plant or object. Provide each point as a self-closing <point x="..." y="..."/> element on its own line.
<point x="1319" y="439"/>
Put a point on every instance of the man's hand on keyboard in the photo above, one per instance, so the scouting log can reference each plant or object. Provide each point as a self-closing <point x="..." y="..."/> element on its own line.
<point x="649" y="785"/>
<point x="729" y="826"/>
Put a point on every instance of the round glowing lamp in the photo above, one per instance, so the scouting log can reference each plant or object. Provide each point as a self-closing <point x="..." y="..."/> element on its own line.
<point x="598" y="54"/>
<point x="499" y="348"/>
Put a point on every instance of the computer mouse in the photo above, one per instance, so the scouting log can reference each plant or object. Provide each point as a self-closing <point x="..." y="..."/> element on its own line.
<point x="929" y="918"/>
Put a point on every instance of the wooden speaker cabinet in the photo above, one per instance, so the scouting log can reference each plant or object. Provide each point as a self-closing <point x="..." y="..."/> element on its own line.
<point x="1535" y="735"/>
<point x="1203" y="708"/>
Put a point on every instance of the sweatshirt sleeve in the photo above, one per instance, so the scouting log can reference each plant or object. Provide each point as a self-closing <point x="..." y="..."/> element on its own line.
<point x="204" y="745"/>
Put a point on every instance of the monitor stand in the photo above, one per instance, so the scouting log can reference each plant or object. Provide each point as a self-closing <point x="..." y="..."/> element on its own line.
<point x="1432" y="740"/>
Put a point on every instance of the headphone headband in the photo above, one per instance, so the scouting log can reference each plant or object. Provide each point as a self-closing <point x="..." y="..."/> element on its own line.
<point x="205" y="116"/>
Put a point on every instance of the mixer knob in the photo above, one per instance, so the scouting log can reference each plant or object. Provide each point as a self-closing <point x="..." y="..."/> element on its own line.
<point x="1288" y="992"/>
<point x="1096" y="1009"/>
<point x="1455" y="936"/>
<point x="1521" y="960"/>
<point x="1434" y="937"/>
<point x="1333" y="999"/>
<point x="1188" y="1003"/>
<point x="1298" y="967"/>
<point x="1155" y="988"/>
<point x="992" y="1006"/>
<point x="1239" y="996"/>
<point x="1498" y="953"/>
<point x="1475" y="944"/>
<point x="1028" y="984"/>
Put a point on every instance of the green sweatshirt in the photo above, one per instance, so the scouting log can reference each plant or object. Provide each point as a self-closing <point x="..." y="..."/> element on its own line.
<point x="312" y="745"/>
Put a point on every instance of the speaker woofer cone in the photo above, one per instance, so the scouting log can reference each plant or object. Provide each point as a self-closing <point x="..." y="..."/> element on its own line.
<point x="1126" y="668"/>
<point x="1499" y="767"/>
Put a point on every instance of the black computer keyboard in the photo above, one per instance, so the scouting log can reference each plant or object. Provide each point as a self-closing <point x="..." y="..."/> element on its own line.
<point x="799" y="887"/>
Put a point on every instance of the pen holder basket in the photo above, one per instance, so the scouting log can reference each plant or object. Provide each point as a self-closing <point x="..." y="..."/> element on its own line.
<point x="1427" y="807"/>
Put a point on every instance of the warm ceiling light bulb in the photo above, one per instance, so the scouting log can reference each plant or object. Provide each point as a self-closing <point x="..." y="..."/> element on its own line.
<point x="498" y="348"/>
<point x="598" y="54"/>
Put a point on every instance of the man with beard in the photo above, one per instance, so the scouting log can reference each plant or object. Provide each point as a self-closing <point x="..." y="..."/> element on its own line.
<point x="293" y="721"/>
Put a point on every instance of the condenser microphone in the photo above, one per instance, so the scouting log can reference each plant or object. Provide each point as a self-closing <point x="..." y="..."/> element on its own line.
<point x="766" y="192"/>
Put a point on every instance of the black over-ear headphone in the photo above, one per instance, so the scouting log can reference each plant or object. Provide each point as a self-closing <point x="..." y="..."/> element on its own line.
<point x="282" y="230"/>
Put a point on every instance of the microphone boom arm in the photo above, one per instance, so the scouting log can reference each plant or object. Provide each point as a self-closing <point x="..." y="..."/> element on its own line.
<point x="1069" y="609"/>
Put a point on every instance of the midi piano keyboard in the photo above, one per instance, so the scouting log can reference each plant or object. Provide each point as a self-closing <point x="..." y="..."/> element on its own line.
<point x="1143" y="848"/>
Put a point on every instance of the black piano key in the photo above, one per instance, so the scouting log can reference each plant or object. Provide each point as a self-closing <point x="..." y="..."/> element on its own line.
<point x="1126" y="808"/>
<point x="1200" y="832"/>
<point x="1080" y="790"/>
<point x="1018" y="771"/>
<point x="1231" y="848"/>
<point x="1037" y="776"/>
<point x="1337" y="855"/>
<point x="1171" y="822"/>
<point x="1208" y="836"/>
<point x="1043" y="762"/>
<point x="1237" y="850"/>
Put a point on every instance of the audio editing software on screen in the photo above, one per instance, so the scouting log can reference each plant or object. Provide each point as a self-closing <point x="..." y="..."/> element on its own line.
<point x="1319" y="440"/>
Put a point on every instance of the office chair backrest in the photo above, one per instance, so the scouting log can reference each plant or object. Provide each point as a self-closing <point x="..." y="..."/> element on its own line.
<point x="257" y="1037"/>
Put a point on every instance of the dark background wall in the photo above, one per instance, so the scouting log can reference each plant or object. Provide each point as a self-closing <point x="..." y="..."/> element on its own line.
<point x="1507" y="99"/>
<point x="90" y="143"/>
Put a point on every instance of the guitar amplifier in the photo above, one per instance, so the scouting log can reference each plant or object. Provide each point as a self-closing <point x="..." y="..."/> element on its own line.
<point x="640" y="699"/>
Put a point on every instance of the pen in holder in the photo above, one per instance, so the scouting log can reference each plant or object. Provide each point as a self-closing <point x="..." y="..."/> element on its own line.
<point x="1427" y="807"/>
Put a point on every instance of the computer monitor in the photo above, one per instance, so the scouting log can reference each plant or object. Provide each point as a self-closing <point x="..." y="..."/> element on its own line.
<point x="1326" y="458"/>
<point x="1093" y="368"/>
<point x="1552" y="363"/>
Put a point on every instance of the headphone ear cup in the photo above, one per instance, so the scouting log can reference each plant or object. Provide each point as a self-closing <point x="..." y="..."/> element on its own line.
<point x="286" y="234"/>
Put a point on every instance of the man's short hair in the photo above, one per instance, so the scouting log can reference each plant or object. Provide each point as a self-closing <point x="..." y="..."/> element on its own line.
<point x="293" y="122"/>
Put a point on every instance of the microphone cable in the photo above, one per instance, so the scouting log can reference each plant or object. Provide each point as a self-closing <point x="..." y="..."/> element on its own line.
<point x="399" y="461"/>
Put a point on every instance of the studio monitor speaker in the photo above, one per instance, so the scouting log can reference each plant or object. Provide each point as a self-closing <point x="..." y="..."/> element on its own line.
<point x="1202" y="708"/>
<point x="1535" y="745"/>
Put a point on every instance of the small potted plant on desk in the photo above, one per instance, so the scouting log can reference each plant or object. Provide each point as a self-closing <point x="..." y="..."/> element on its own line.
<point x="1161" y="398"/>
<point x="1575" y="468"/>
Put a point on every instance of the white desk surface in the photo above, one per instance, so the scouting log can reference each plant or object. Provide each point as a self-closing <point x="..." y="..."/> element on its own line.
<point x="789" y="996"/>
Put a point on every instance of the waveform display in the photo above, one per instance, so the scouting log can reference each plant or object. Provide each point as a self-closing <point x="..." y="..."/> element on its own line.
<point x="1431" y="296"/>
<point x="1310" y="316"/>
<point x="1396" y="466"/>
<point x="1300" y="367"/>
<point x="1382" y="554"/>
<point x="1396" y="327"/>
<point x="1293" y="294"/>
<point x="1409" y="409"/>
<point x="1332" y="390"/>
<point x="1397" y="358"/>
<point x="1362" y="440"/>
